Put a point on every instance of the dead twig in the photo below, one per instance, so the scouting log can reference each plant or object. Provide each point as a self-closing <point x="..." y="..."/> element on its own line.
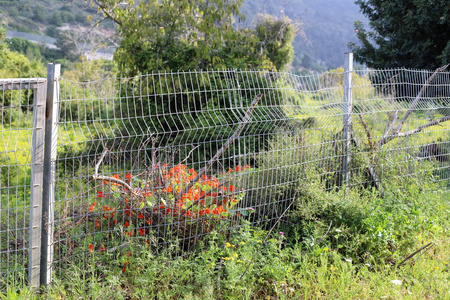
<point x="208" y="165"/>
<point x="423" y="248"/>
<point x="387" y="137"/>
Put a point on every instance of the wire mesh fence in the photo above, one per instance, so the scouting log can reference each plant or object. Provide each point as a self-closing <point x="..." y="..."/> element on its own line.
<point x="128" y="148"/>
<point x="135" y="155"/>
<point x="22" y="112"/>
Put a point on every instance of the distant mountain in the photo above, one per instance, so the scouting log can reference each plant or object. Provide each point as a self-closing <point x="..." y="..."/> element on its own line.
<point x="328" y="25"/>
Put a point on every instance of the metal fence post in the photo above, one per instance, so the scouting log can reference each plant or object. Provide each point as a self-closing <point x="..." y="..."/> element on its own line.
<point x="37" y="174"/>
<point x="347" y="105"/>
<point x="51" y="131"/>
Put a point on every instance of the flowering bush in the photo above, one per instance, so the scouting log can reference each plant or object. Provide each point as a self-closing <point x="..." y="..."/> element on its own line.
<point x="147" y="205"/>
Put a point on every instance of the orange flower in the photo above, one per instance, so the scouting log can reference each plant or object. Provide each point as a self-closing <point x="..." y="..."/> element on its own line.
<point x="92" y="206"/>
<point x="97" y="223"/>
<point x="168" y="189"/>
<point x="128" y="176"/>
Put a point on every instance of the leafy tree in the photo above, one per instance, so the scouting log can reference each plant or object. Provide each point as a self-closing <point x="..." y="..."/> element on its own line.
<point x="38" y="14"/>
<point x="191" y="35"/>
<point x="183" y="35"/>
<point x="15" y="65"/>
<point x="276" y="37"/>
<point x="411" y="34"/>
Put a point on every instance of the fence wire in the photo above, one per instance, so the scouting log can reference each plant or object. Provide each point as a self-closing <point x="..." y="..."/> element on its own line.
<point x="19" y="179"/>
<point x="129" y="147"/>
<point x="134" y="154"/>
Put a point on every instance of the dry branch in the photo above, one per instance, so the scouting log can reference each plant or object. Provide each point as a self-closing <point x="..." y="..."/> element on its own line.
<point x="424" y="248"/>
<point x="238" y="131"/>
<point x="396" y="133"/>
<point x="418" y="129"/>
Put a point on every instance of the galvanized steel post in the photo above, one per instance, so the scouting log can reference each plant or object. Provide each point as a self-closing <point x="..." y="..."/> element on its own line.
<point x="347" y="107"/>
<point x="51" y="131"/>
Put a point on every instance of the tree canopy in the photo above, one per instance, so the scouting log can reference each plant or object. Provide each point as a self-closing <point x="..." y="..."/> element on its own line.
<point x="185" y="34"/>
<point x="412" y="34"/>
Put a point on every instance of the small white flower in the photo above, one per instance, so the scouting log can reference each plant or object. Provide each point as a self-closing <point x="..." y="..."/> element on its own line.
<point x="396" y="282"/>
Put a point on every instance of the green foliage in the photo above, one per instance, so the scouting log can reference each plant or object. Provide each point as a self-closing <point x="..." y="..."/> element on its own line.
<point x="276" y="37"/>
<point x="186" y="35"/>
<point x="411" y="34"/>
<point x="365" y="226"/>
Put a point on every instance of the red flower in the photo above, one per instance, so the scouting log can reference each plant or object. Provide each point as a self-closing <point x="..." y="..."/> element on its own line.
<point x="91" y="248"/>
<point x="128" y="176"/>
<point x="92" y="206"/>
<point x="141" y="231"/>
<point x="140" y="216"/>
<point x="231" y="188"/>
<point x="102" y="248"/>
<point x="100" y="194"/>
<point x="97" y="223"/>
<point x="125" y="266"/>
<point x="126" y="224"/>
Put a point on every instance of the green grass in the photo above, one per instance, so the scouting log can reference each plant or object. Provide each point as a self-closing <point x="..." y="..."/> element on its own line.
<point x="245" y="265"/>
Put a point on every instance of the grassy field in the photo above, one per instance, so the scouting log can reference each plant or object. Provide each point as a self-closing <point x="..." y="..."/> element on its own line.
<point x="331" y="243"/>
<point x="249" y="263"/>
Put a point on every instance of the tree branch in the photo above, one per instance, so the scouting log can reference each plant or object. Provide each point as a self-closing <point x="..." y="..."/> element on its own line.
<point x="106" y="11"/>
<point x="389" y="137"/>
<point x="421" y="92"/>
<point x="238" y="131"/>
<point x="418" y="129"/>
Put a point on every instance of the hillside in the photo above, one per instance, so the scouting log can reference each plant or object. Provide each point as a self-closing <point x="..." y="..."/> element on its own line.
<point x="328" y="24"/>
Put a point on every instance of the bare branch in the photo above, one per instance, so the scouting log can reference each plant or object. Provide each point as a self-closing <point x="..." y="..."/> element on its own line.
<point x="418" y="129"/>
<point x="421" y="92"/>
<point x="389" y="137"/>
<point x="238" y="131"/>
<point x="106" y="10"/>
<point x="389" y="127"/>
<point x="366" y="128"/>
<point x="426" y="248"/>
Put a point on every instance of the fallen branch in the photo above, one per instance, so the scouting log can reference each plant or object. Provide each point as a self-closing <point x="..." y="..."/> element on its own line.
<point x="387" y="137"/>
<point x="424" y="248"/>
<point x="208" y="165"/>
<point x="108" y="178"/>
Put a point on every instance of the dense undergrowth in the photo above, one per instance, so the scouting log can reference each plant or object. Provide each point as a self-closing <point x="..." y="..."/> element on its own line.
<point x="333" y="245"/>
